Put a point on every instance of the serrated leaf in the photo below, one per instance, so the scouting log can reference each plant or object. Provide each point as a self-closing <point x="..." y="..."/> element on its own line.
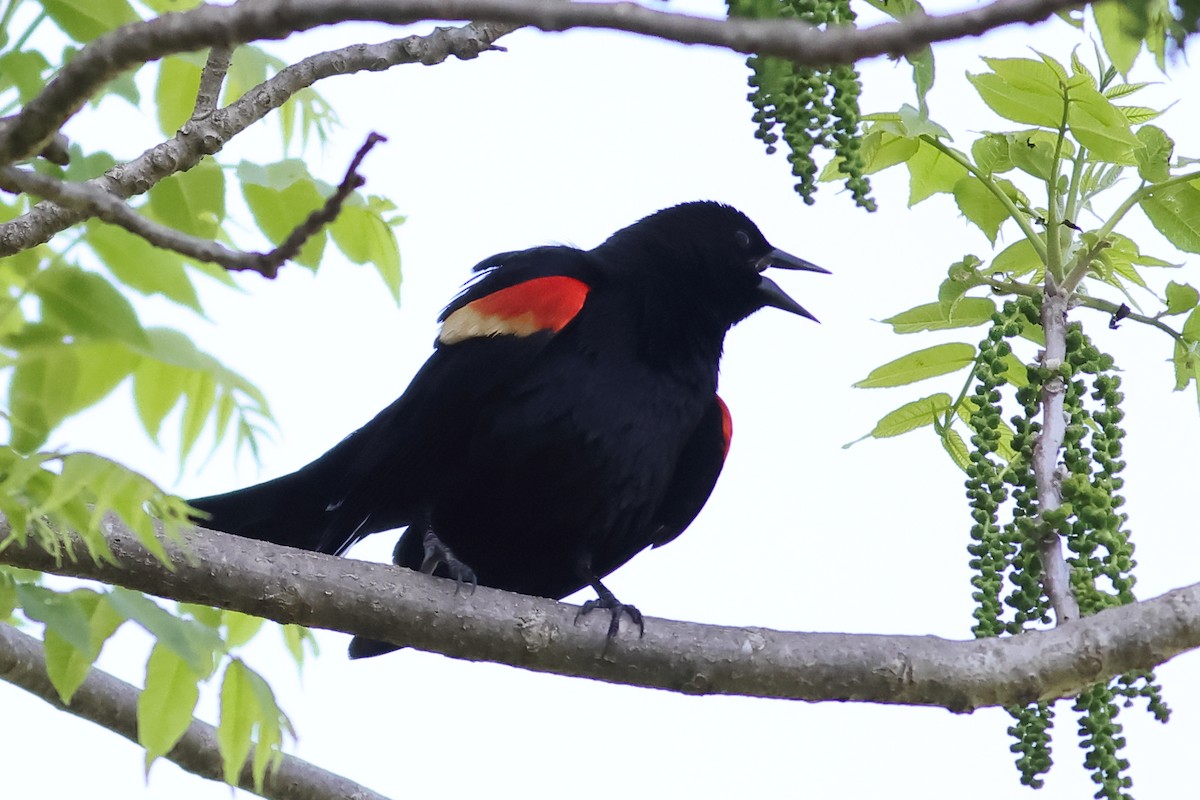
<point x="956" y="447"/>
<point x="1138" y="115"/>
<point x="66" y="665"/>
<point x="1154" y="156"/>
<point x="927" y="363"/>
<point x="84" y="20"/>
<point x="238" y="707"/>
<point x="1175" y="212"/>
<point x="67" y="614"/>
<point x="1119" y="90"/>
<point x="1033" y="152"/>
<point x="141" y="266"/>
<point x="191" y="641"/>
<point x="364" y="237"/>
<point x="175" y="92"/>
<point x="281" y="196"/>
<point x="1021" y="90"/>
<point x="977" y="203"/>
<point x="1100" y="126"/>
<point x="1019" y="258"/>
<point x="1119" y="25"/>
<point x="911" y="416"/>
<point x="969" y="312"/>
<point x="87" y="304"/>
<point x="931" y="171"/>
<point x="1181" y="297"/>
<point x="166" y="704"/>
<point x="990" y="152"/>
<point x="192" y="201"/>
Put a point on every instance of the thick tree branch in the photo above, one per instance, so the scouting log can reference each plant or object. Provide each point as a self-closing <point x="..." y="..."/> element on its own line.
<point x="415" y="610"/>
<point x="111" y="703"/>
<point x="204" y="136"/>
<point x="206" y="26"/>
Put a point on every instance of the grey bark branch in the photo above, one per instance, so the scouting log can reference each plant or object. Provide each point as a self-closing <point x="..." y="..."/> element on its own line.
<point x="200" y="137"/>
<point x="206" y="26"/>
<point x="111" y="703"/>
<point x="1056" y="577"/>
<point x="95" y="202"/>
<point x="415" y="610"/>
<point x="211" y="80"/>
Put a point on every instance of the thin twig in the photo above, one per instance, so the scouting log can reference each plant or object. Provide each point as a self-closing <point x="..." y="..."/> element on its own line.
<point x="111" y="703"/>
<point x="93" y="201"/>
<point x="135" y="44"/>
<point x="207" y="136"/>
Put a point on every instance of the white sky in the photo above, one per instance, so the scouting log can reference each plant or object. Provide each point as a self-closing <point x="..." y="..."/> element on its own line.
<point x="564" y="139"/>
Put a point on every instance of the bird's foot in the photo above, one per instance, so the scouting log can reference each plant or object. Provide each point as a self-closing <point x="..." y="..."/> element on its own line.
<point x="616" y="608"/>
<point x="438" y="554"/>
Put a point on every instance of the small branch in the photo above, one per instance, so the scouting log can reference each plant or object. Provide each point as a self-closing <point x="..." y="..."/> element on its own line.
<point x="89" y="199"/>
<point x="207" y="136"/>
<point x="1111" y="308"/>
<point x="411" y="609"/>
<point x="55" y="151"/>
<point x="1055" y="575"/>
<point x="211" y="80"/>
<point x="111" y="703"/>
<point x="135" y="44"/>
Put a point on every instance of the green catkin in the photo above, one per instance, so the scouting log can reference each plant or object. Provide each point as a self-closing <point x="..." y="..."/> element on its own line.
<point x="812" y="106"/>
<point x="1100" y="555"/>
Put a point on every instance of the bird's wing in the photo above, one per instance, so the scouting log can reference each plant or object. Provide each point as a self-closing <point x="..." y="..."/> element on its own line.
<point x="696" y="473"/>
<point x="491" y="334"/>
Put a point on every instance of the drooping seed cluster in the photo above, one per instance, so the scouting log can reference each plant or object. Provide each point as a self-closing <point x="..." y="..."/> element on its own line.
<point x="811" y="105"/>
<point x="1006" y="557"/>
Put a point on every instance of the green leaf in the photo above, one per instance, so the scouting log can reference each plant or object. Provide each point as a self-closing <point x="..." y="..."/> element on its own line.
<point x="281" y="196"/>
<point x="1138" y="115"/>
<point x="969" y="312"/>
<point x="1022" y="90"/>
<point x="1175" y="212"/>
<point x="67" y="666"/>
<point x="1033" y="152"/>
<point x="192" y="201"/>
<point x="193" y="642"/>
<point x="50" y="383"/>
<point x="25" y="70"/>
<point x="67" y="614"/>
<point x="956" y="447"/>
<point x="87" y="304"/>
<point x="910" y="416"/>
<point x="928" y="363"/>
<point x="165" y="706"/>
<point x="175" y="91"/>
<point x="980" y="206"/>
<point x="1019" y="258"/>
<point x="1100" y="126"/>
<point x="990" y="152"/>
<point x="931" y="171"/>
<point x="238" y="707"/>
<point x="84" y="20"/>
<point x="1154" y="156"/>
<point x="141" y="266"/>
<point x="961" y="278"/>
<point x="1121" y="31"/>
<point x="364" y="237"/>
<point x="240" y="628"/>
<point x="296" y="637"/>
<point x="1181" y="297"/>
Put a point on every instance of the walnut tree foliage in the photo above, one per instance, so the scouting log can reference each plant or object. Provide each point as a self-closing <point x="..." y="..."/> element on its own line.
<point x="1074" y="147"/>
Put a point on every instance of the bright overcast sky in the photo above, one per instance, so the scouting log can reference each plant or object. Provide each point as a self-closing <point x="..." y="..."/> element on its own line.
<point x="565" y="138"/>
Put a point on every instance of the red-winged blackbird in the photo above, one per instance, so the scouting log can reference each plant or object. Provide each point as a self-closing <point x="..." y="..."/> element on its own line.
<point x="567" y="419"/>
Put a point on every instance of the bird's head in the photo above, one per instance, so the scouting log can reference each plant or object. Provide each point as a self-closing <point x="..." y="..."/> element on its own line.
<point x="710" y="259"/>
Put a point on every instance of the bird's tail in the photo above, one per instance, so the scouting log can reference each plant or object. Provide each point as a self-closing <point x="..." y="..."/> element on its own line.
<point x="285" y="511"/>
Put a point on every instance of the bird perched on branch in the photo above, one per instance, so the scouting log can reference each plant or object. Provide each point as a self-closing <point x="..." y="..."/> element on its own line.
<point x="567" y="419"/>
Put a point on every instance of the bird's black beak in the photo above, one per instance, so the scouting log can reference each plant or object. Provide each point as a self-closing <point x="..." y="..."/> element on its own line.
<point x="768" y="290"/>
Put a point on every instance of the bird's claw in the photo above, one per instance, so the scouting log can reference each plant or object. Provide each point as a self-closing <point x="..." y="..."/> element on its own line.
<point x="438" y="554"/>
<point x="616" y="609"/>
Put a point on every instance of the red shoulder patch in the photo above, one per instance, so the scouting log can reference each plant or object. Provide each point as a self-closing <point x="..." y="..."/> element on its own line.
<point x="539" y="304"/>
<point x="726" y="425"/>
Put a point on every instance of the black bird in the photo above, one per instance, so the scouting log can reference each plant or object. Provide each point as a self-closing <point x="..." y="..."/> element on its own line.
<point x="567" y="419"/>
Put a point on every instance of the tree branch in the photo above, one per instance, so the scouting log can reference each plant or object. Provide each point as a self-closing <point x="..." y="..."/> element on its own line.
<point x="111" y="703"/>
<point x="211" y="80"/>
<point x="415" y="610"/>
<point x="95" y="202"/>
<point x="201" y="137"/>
<point x="206" y="26"/>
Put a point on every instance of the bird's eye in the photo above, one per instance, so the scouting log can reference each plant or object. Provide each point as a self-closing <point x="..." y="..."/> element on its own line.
<point x="743" y="239"/>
